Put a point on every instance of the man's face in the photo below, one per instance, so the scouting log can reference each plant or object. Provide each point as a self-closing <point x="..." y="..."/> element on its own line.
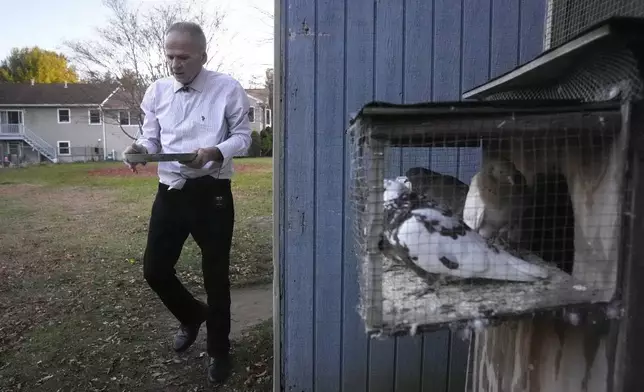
<point x="184" y="56"/>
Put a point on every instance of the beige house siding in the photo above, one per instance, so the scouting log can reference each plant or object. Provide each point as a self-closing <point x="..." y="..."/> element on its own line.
<point x="258" y="117"/>
<point x="81" y="136"/>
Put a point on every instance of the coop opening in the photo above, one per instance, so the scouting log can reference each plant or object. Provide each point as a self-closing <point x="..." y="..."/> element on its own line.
<point x="469" y="211"/>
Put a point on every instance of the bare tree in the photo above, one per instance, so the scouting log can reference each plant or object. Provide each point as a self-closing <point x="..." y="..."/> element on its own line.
<point x="267" y="18"/>
<point x="129" y="49"/>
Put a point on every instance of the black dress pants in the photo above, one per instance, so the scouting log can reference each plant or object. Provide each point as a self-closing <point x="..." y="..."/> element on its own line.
<point x="203" y="208"/>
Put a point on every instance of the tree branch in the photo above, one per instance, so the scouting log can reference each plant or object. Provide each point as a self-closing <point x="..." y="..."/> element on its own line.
<point x="129" y="48"/>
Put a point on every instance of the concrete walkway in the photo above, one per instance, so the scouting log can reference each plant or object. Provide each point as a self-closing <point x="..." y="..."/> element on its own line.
<point x="249" y="306"/>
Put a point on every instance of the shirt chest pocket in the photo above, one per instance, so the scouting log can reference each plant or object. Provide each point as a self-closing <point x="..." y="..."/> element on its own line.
<point x="209" y="132"/>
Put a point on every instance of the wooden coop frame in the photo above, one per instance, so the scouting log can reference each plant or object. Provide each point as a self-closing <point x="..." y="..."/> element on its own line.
<point x="593" y="342"/>
<point x="407" y="126"/>
<point x="595" y="352"/>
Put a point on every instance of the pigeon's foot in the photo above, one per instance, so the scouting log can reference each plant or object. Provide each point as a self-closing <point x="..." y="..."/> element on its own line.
<point x="433" y="284"/>
<point x="393" y="267"/>
<point x="424" y="291"/>
<point x="492" y="243"/>
<point x="506" y="241"/>
<point x="503" y="242"/>
<point x="508" y="237"/>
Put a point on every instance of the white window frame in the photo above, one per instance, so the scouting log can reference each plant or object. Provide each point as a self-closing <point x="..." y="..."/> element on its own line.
<point x="268" y="117"/>
<point x="89" y="117"/>
<point x="252" y="120"/>
<point x="129" y="119"/>
<point x="7" y="111"/>
<point x="7" y="124"/>
<point x="69" y="112"/>
<point x="69" y="147"/>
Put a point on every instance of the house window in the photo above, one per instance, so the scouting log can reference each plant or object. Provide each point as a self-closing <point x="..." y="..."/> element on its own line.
<point x="11" y="121"/>
<point x="269" y="118"/>
<point x="13" y="117"/>
<point x="64" y="116"/>
<point x="126" y="118"/>
<point x="94" y="116"/>
<point x="64" y="148"/>
<point x="251" y="114"/>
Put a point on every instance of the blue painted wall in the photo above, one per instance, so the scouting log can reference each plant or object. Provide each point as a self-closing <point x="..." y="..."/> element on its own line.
<point x="338" y="55"/>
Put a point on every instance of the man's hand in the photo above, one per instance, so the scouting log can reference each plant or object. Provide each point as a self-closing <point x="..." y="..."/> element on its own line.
<point x="205" y="155"/>
<point x="134" y="149"/>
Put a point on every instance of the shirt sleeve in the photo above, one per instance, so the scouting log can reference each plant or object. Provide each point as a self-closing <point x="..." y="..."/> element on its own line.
<point x="239" y="131"/>
<point x="150" y="130"/>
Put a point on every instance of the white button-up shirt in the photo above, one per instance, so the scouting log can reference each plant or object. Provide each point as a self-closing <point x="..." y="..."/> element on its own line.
<point x="212" y="112"/>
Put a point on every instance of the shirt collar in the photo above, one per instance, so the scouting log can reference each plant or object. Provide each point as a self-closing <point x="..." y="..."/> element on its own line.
<point x="197" y="83"/>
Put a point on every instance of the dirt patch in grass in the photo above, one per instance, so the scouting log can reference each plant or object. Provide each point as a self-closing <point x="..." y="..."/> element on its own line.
<point x="42" y="225"/>
<point x="251" y="167"/>
<point x="74" y="199"/>
<point x="17" y="189"/>
<point x="75" y="311"/>
<point x="77" y="201"/>
<point x="111" y="334"/>
<point x="149" y="169"/>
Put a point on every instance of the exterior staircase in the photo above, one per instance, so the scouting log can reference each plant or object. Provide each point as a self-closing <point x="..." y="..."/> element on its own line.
<point x="40" y="145"/>
<point x="20" y="132"/>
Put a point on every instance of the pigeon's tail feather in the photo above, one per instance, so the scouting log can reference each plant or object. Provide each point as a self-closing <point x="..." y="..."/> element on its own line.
<point x="473" y="208"/>
<point x="505" y="266"/>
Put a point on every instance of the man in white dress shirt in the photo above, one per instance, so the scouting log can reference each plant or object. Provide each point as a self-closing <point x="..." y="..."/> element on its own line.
<point x="195" y="110"/>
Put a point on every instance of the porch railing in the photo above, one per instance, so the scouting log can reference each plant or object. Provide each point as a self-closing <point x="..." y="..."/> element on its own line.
<point x="12" y="129"/>
<point x="35" y="141"/>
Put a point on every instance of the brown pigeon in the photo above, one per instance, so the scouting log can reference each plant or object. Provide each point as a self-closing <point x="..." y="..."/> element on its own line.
<point x="496" y="199"/>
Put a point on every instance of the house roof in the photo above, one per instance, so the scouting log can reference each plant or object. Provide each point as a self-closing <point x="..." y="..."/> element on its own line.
<point x="46" y="94"/>
<point x="75" y="94"/>
<point x="258" y="93"/>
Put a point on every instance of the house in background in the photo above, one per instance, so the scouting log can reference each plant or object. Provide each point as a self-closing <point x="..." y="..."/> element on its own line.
<point x="260" y="113"/>
<point x="69" y="122"/>
<point x="63" y="122"/>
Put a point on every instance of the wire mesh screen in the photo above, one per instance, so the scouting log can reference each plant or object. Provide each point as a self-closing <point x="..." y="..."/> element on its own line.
<point x="568" y="18"/>
<point x="465" y="219"/>
<point x="611" y="71"/>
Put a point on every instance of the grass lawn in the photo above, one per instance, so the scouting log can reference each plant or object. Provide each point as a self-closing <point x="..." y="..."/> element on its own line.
<point x="75" y="311"/>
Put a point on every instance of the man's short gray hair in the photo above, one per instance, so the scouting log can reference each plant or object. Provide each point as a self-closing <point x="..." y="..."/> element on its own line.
<point x="195" y="31"/>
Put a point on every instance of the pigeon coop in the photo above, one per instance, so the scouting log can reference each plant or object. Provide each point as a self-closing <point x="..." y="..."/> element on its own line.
<point x="544" y="223"/>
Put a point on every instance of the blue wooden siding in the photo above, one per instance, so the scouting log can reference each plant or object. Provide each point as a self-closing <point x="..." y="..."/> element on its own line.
<point x="337" y="56"/>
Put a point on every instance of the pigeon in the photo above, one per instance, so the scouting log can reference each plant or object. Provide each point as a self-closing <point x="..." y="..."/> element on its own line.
<point x="442" y="188"/>
<point x="432" y="241"/>
<point x="496" y="199"/>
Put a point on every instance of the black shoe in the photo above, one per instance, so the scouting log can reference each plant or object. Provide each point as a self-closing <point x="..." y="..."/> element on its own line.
<point x="218" y="369"/>
<point x="187" y="334"/>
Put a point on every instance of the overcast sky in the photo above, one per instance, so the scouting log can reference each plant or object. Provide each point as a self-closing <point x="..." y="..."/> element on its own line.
<point x="48" y="24"/>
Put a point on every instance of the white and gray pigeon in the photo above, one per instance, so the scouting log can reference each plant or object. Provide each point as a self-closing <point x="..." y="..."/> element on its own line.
<point x="441" y="188"/>
<point x="496" y="199"/>
<point x="429" y="239"/>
